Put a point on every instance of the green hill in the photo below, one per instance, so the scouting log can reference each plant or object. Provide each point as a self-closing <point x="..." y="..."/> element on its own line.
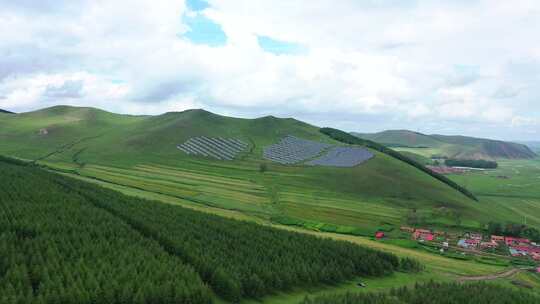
<point x="460" y="147"/>
<point x="140" y="154"/>
<point x="401" y="138"/>
<point x="5" y="112"/>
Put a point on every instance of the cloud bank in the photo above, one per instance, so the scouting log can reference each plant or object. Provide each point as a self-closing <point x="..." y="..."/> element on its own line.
<point x="470" y="67"/>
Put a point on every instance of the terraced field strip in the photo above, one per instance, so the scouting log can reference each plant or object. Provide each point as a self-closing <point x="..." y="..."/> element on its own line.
<point x="126" y="180"/>
<point x="336" y="216"/>
<point x="491" y="277"/>
<point x="338" y="212"/>
<point x="224" y="196"/>
<point x="179" y="174"/>
<point x="246" y="192"/>
<point x="351" y="204"/>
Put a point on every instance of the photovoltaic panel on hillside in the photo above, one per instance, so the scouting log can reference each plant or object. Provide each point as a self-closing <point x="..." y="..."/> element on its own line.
<point x="342" y="157"/>
<point x="293" y="150"/>
<point x="214" y="147"/>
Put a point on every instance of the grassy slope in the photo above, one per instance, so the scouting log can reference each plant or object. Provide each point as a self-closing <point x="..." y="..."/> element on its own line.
<point x="140" y="152"/>
<point x="402" y="138"/>
<point x="450" y="146"/>
<point x="418" y="158"/>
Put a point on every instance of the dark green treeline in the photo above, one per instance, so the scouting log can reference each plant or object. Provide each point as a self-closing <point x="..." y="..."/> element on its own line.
<point x="434" y="293"/>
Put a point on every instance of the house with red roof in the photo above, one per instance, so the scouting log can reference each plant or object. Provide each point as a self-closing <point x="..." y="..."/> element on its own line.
<point x="497" y="238"/>
<point x="490" y="244"/>
<point x="472" y="242"/>
<point x="406" y="229"/>
<point x="475" y="236"/>
<point x="510" y="241"/>
<point x="423" y="235"/>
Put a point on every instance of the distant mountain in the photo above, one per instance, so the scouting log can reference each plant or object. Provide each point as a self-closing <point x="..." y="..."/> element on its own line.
<point x="401" y="138"/>
<point x="461" y="147"/>
<point x="6" y="112"/>
<point x="534" y="145"/>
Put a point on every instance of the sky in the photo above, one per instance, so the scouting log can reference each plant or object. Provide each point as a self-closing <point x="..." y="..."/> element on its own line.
<point x="468" y="67"/>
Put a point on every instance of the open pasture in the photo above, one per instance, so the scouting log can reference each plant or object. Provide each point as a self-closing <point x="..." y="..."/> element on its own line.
<point x="511" y="192"/>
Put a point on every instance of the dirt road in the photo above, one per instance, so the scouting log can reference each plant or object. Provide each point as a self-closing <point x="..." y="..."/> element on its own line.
<point x="489" y="277"/>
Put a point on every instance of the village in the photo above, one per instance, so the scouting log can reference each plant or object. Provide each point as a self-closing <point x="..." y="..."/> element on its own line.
<point x="473" y="243"/>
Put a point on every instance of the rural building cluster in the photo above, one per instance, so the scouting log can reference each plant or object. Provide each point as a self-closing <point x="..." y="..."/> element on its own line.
<point x="472" y="241"/>
<point x="516" y="246"/>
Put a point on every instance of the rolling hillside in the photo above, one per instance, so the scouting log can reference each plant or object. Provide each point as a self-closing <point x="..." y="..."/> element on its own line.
<point x="139" y="153"/>
<point x="5" y="112"/>
<point x="461" y="147"/>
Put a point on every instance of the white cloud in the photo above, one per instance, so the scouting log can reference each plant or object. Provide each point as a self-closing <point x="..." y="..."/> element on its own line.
<point x="440" y="64"/>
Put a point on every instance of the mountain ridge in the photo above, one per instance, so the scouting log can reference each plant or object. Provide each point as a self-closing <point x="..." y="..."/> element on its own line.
<point x="451" y="146"/>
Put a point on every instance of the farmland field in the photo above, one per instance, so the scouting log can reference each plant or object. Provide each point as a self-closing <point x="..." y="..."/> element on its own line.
<point x="512" y="190"/>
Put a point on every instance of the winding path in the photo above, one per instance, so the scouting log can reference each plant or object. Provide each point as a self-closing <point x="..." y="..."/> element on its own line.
<point x="490" y="277"/>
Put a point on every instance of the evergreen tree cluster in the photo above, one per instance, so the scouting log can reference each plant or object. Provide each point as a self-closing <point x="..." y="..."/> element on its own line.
<point x="353" y="140"/>
<point x="434" y="293"/>
<point x="67" y="241"/>
<point x="514" y="230"/>
<point x="242" y="259"/>
<point x="57" y="247"/>
<point x="472" y="163"/>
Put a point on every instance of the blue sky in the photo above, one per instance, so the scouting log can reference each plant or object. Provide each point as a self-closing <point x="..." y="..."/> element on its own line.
<point x="197" y="5"/>
<point x="204" y="31"/>
<point x="279" y="47"/>
<point x="449" y="67"/>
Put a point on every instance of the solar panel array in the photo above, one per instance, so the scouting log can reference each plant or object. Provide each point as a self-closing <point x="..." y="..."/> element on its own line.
<point x="293" y="150"/>
<point x="217" y="147"/>
<point x="342" y="157"/>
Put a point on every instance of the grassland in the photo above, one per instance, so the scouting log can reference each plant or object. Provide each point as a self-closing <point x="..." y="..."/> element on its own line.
<point x="140" y="152"/>
<point x="512" y="190"/>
